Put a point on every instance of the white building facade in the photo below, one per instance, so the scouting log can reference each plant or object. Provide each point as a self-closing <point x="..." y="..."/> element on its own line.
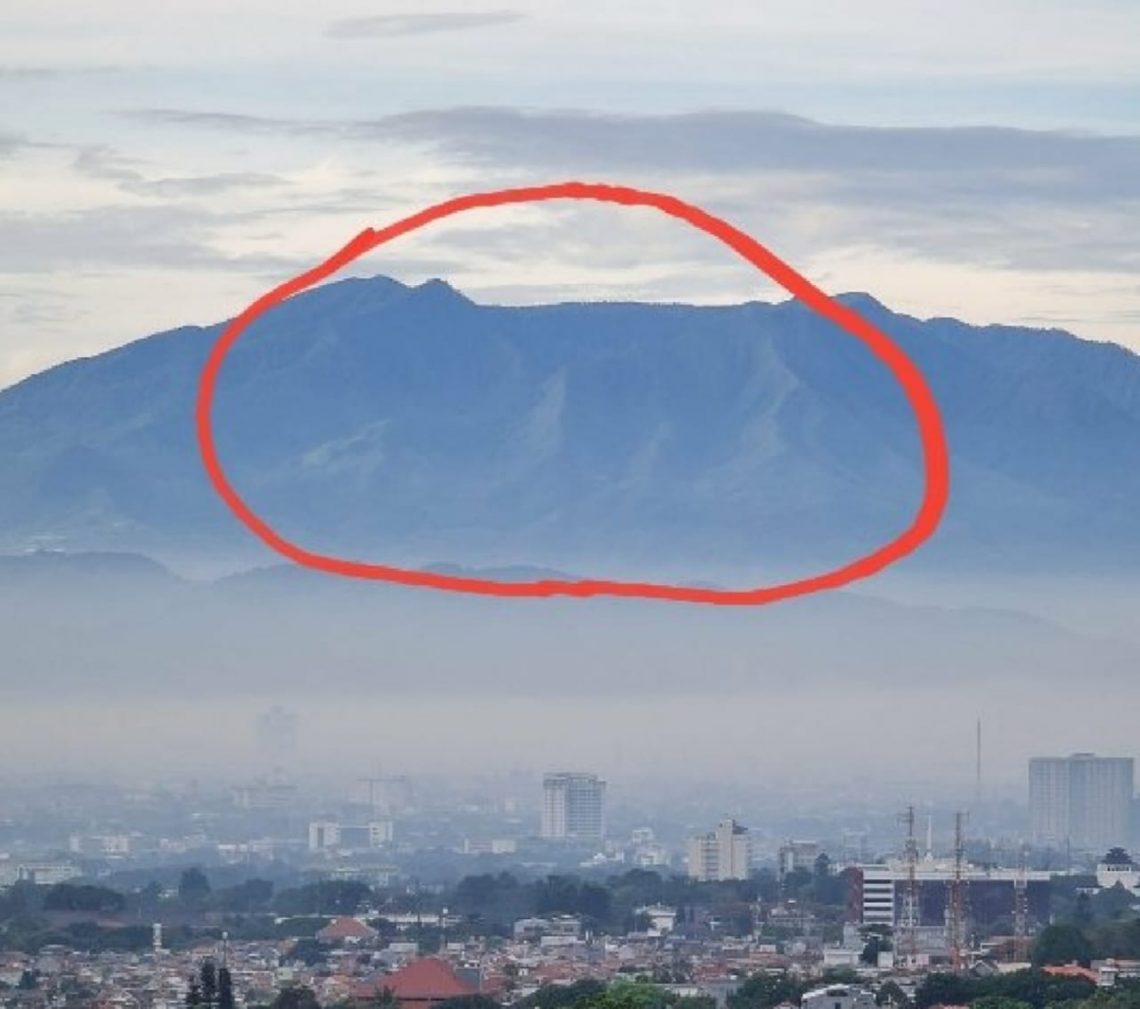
<point x="725" y="853"/>
<point x="573" y="807"/>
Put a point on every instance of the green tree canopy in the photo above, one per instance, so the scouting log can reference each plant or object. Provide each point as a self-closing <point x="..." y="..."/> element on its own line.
<point x="295" y="997"/>
<point x="1061" y="944"/>
<point x="193" y="886"/>
<point x="762" y="991"/>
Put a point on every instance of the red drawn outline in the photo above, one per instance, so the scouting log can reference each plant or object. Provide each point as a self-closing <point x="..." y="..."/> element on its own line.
<point x="935" y="457"/>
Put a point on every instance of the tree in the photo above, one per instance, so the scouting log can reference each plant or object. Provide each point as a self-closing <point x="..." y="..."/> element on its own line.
<point x="875" y="945"/>
<point x="890" y="994"/>
<point x="999" y="1002"/>
<point x="560" y="996"/>
<point x="1082" y="910"/>
<point x="1112" y="903"/>
<point x="762" y="991"/>
<point x="309" y="951"/>
<point x="943" y="989"/>
<point x="1061" y="944"/>
<point x="766" y="885"/>
<point x="149" y="896"/>
<point x="83" y="897"/>
<point x="208" y="978"/>
<point x="252" y="895"/>
<point x="795" y="881"/>
<point x="695" y="1002"/>
<point x="329" y="896"/>
<point x="593" y="902"/>
<point x="193" y="886"/>
<point x="629" y="995"/>
<point x="225" y="989"/>
<point x="295" y="997"/>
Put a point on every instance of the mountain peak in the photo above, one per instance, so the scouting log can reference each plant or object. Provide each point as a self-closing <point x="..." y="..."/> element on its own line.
<point x="439" y="291"/>
<point x="861" y="300"/>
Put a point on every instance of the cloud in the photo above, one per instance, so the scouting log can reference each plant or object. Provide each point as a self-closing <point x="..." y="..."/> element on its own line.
<point x="148" y="237"/>
<point x="997" y="196"/>
<point x="224" y="121"/>
<point x="30" y="73"/>
<point x="967" y="160"/>
<point x="102" y="163"/>
<point x="390" y="25"/>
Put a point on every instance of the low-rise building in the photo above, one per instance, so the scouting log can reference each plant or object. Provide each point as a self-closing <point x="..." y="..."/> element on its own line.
<point x="838" y="996"/>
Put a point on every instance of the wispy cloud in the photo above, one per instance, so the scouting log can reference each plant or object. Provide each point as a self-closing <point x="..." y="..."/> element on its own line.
<point x="995" y="196"/>
<point x="150" y="237"/>
<point x="102" y="163"/>
<point x="977" y="160"/>
<point x="387" y="25"/>
<point x="34" y="73"/>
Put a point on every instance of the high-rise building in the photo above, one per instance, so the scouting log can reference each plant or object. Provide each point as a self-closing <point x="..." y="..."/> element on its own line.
<point x="1083" y="801"/>
<point x="796" y="855"/>
<point x="725" y="853"/>
<point x="573" y="807"/>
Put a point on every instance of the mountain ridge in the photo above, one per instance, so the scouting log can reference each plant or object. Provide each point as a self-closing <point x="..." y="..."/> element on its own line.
<point x="406" y="423"/>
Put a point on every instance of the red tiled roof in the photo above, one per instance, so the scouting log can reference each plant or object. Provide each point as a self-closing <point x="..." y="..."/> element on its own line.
<point x="1071" y="970"/>
<point x="346" y="928"/>
<point x="424" y="980"/>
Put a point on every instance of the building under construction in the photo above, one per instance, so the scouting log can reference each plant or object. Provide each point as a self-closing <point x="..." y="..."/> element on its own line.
<point x="881" y="892"/>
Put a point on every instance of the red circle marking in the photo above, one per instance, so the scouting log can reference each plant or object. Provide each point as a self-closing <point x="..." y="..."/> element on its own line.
<point x="936" y="462"/>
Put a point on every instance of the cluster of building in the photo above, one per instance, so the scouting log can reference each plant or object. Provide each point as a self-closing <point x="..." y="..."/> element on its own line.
<point x="357" y="964"/>
<point x="1081" y="803"/>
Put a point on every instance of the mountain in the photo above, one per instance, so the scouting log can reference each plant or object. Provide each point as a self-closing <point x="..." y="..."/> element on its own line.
<point x="100" y="625"/>
<point x="411" y="425"/>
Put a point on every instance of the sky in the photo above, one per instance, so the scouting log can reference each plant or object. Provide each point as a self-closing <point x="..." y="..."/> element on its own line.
<point x="163" y="166"/>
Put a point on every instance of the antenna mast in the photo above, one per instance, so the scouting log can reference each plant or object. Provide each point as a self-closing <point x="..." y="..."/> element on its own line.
<point x="956" y="909"/>
<point x="978" y="770"/>
<point x="1021" y="910"/>
<point x="908" y="921"/>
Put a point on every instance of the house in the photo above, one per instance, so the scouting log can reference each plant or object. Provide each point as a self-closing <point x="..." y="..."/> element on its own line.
<point x="346" y="931"/>
<point x="421" y="984"/>
<point x="838" y="996"/>
<point x="1071" y="970"/>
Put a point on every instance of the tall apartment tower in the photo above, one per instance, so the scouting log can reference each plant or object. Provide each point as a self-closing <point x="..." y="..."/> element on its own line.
<point x="1083" y="801"/>
<point x="725" y="853"/>
<point x="573" y="807"/>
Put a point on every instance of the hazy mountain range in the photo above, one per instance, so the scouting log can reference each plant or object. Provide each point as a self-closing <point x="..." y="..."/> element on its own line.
<point x="409" y="424"/>
<point x="81" y="625"/>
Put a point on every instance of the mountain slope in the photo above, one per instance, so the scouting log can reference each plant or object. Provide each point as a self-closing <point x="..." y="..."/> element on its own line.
<point x="85" y="626"/>
<point x="412" y="425"/>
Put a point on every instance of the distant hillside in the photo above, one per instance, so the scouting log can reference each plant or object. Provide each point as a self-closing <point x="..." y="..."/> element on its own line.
<point x="97" y="626"/>
<point x="412" y="425"/>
